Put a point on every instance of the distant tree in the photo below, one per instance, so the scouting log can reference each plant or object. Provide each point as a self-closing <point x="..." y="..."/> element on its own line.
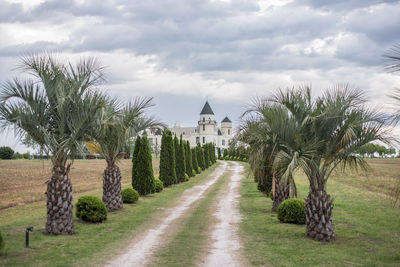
<point x="188" y="157"/>
<point x="200" y="157"/>
<point x="144" y="184"/>
<point x="225" y="154"/>
<point x="180" y="160"/>
<point x="194" y="160"/>
<point x="167" y="160"/>
<point x="6" y="152"/>
<point x="206" y="152"/>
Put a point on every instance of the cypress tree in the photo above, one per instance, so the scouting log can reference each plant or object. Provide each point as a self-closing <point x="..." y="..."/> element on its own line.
<point x="212" y="153"/>
<point x="135" y="160"/>
<point x="144" y="183"/>
<point x="189" y="165"/>
<point x="167" y="160"/>
<point x="180" y="160"/>
<point x="219" y="153"/>
<point x="225" y="154"/>
<point x="194" y="160"/>
<point x="206" y="153"/>
<point x="200" y="158"/>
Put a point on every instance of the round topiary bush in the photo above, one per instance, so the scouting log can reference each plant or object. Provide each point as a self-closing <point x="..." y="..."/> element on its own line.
<point x="158" y="185"/>
<point x="292" y="211"/>
<point x="1" y="242"/>
<point x="199" y="169"/>
<point x="129" y="195"/>
<point x="91" y="209"/>
<point x="6" y="152"/>
<point x="186" y="177"/>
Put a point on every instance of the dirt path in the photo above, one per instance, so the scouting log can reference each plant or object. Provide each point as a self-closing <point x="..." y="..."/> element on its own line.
<point x="140" y="251"/>
<point x="225" y="248"/>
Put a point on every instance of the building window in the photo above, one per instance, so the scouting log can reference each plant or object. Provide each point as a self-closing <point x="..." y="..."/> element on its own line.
<point x="150" y="140"/>
<point x="223" y="142"/>
<point x="183" y="133"/>
<point x="204" y="140"/>
<point x="204" y="127"/>
<point x="204" y="119"/>
<point x="197" y="139"/>
<point x="229" y="131"/>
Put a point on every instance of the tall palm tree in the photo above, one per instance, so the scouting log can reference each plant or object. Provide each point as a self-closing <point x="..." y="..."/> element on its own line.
<point x="56" y="109"/>
<point x="321" y="135"/>
<point x="116" y="125"/>
<point x="257" y="131"/>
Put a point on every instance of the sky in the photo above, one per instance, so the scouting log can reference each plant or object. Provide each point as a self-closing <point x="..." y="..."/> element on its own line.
<point x="183" y="53"/>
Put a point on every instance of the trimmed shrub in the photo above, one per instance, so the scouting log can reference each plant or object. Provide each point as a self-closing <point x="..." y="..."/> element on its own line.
<point x="194" y="161"/>
<point x="144" y="180"/>
<point x="158" y="185"/>
<point x="129" y="195"/>
<point x="2" y="243"/>
<point x="188" y="157"/>
<point x="6" y="152"/>
<point x="292" y="211"/>
<point x="135" y="161"/>
<point x="25" y="155"/>
<point x="167" y="160"/>
<point x="91" y="209"/>
<point x="180" y="167"/>
<point x="199" y="170"/>
<point x="186" y="177"/>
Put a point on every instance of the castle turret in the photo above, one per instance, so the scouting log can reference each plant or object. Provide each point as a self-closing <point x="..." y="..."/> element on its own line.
<point x="226" y="126"/>
<point x="207" y="124"/>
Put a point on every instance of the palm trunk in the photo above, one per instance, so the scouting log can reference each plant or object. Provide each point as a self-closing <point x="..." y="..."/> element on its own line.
<point x="112" y="188"/>
<point x="319" y="225"/>
<point x="281" y="194"/>
<point x="59" y="203"/>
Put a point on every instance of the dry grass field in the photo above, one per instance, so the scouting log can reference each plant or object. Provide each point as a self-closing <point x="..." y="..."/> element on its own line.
<point x="23" y="181"/>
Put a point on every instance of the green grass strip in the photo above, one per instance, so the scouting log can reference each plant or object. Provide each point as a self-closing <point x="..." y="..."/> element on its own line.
<point x="187" y="245"/>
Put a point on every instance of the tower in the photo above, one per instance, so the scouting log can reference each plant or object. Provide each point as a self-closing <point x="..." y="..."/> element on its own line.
<point x="207" y="125"/>
<point x="226" y="127"/>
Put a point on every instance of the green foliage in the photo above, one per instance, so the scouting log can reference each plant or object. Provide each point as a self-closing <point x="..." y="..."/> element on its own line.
<point x="144" y="182"/>
<point x="292" y="211"/>
<point x="2" y="243"/>
<point x="25" y="155"/>
<point x="186" y="177"/>
<point x="200" y="157"/>
<point x="206" y="152"/>
<point x="194" y="160"/>
<point x="135" y="161"/>
<point x="188" y="157"/>
<point x="91" y="209"/>
<point x="167" y="160"/>
<point x="180" y="159"/>
<point x="370" y="149"/>
<point x="6" y="152"/>
<point x="129" y="195"/>
<point x="271" y="195"/>
<point x="219" y="153"/>
<point x="225" y="154"/>
<point x="158" y="185"/>
<point x="198" y="170"/>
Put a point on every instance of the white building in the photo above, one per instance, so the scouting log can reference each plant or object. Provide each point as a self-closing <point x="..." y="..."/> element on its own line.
<point x="206" y="131"/>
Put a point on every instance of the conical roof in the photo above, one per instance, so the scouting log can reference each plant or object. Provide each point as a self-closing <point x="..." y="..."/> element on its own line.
<point x="226" y="119"/>
<point x="206" y="110"/>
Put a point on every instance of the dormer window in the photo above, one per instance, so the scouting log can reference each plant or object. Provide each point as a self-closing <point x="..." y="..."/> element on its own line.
<point x="204" y="127"/>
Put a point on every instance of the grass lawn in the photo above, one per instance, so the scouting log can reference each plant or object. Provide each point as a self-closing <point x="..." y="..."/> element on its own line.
<point x="93" y="243"/>
<point x="366" y="226"/>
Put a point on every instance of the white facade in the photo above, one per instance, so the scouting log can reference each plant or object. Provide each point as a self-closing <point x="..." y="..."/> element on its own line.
<point x="206" y="131"/>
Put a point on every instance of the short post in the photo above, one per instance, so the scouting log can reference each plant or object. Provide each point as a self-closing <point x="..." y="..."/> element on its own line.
<point x="28" y="229"/>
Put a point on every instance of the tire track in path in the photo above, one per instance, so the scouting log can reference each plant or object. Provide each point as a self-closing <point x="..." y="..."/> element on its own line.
<point x="141" y="250"/>
<point x="225" y="245"/>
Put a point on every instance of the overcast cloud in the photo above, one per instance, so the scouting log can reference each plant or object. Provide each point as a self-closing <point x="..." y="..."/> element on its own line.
<point x="183" y="52"/>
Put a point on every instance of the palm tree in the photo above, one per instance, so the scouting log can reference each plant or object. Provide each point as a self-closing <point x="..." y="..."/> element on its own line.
<point x="257" y="131"/>
<point x="320" y="136"/>
<point x="116" y="124"/>
<point x="56" y="109"/>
